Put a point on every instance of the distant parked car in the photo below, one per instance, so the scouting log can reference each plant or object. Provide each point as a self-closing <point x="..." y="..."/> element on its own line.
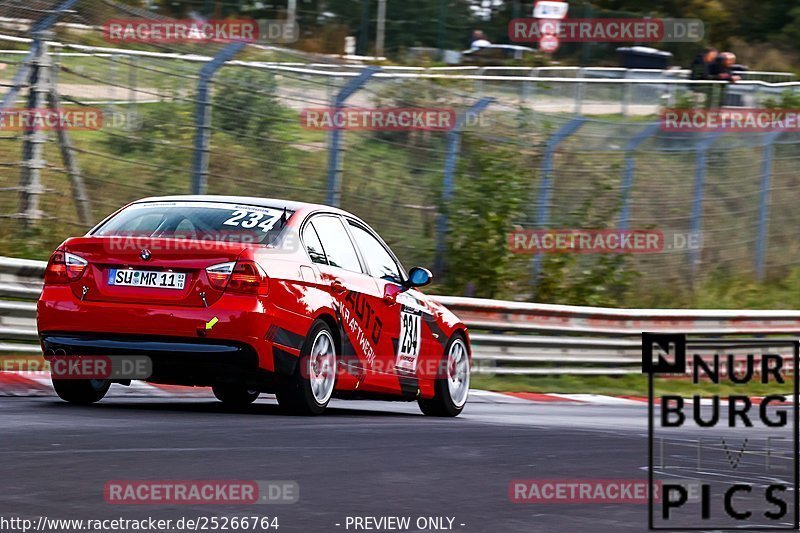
<point x="495" y="54"/>
<point x="644" y="57"/>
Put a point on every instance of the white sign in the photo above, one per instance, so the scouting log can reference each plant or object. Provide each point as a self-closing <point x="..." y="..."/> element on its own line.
<point x="548" y="9"/>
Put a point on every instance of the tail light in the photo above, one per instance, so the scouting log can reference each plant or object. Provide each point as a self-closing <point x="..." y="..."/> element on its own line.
<point x="248" y="278"/>
<point x="243" y="277"/>
<point x="218" y="275"/>
<point x="64" y="267"/>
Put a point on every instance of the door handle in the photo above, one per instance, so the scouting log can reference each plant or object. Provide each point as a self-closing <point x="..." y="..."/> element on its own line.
<point x="338" y="287"/>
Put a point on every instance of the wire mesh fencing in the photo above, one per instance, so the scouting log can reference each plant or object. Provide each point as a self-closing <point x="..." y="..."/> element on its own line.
<point x="532" y="149"/>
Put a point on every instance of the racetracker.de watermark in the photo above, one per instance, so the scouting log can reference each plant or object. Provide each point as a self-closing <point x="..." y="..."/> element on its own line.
<point x="598" y="491"/>
<point x="610" y="30"/>
<point x="606" y="241"/>
<point x="201" y="492"/>
<point x="100" y="367"/>
<point x="200" y="242"/>
<point x="46" y="119"/>
<point x="200" y="31"/>
<point x="738" y="120"/>
<point x="62" y="366"/>
<point x="379" y="119"/>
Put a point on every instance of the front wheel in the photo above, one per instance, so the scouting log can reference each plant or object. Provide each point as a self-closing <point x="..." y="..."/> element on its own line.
<point x="81" y="391"/>
<point x="309" y="390"/>
<point x="234" y="395"/>
<point x="452" y="387"/>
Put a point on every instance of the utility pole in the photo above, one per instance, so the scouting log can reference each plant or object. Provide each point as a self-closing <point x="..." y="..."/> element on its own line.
<point x="381" y="30"/>
<point x="442" y="29"/>
<point x="291" y="15"/>
<point x="362" y="47"/>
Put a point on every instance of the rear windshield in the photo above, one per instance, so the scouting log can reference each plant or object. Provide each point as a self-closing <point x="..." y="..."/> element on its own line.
<point x="198" y="221"/>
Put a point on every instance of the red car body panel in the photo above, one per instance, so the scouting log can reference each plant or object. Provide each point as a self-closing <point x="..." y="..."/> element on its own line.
<point x="363" y="311"/>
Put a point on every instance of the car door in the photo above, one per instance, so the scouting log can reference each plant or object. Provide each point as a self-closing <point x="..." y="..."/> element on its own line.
<point x="365" y="339"/>
<point x="404" y="313"/>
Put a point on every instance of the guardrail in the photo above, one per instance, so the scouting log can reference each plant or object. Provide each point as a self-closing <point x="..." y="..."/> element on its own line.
<point x="571" y="73"/>
<point x="500" y="70"/>
<point x="531" y="338"/>
<point x="507" y="337"/>
<point x="20" y="285"/>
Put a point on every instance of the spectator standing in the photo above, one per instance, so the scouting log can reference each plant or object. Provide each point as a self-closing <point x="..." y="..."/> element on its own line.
<point x="479" y="40"/>
<point x="722" y="69"/>
<point x="700" y="69"/>
<point x="701" y="65"/>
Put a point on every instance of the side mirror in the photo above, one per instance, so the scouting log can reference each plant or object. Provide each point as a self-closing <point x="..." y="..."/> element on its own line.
<point x="418" y="277"/>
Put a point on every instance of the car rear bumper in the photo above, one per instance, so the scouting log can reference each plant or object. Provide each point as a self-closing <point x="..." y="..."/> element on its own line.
<point x="201" y="362"/>
<point x="229" y="340"/>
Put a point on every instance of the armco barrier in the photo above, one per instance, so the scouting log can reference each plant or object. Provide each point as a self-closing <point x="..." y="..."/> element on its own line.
<point x="507" y="337"/>
<point x="531" y="338"/>
<point x="20" y="285"/>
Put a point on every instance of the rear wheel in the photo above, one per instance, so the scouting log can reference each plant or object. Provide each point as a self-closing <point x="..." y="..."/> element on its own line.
<point x="81" y="391"/>
<point x="235" y="395"/>
<point x="452" y="387"/>
<point x="309" y="390"/>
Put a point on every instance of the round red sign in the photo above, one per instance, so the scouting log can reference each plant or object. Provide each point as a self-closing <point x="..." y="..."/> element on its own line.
<point x="548" y="43"/>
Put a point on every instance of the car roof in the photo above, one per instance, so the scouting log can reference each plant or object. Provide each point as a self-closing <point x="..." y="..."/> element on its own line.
<point x="251" y="200"/>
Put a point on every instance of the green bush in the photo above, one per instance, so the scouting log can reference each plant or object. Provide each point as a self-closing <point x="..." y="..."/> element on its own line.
<point x="245" y="104"/>
<point x="492" y="185"/>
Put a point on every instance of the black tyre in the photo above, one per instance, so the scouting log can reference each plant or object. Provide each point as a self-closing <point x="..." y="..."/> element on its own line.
<point x="452" y="385"/>
<point x="235" y="395"/>
<point x="309" y="390"/>
<point x="81" y="391"/>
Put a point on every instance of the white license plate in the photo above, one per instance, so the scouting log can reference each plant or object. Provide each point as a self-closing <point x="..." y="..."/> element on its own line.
<point x="146" y="278"/>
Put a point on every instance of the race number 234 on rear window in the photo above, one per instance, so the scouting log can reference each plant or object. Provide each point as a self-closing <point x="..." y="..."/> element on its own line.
<point x="251" y="219"/>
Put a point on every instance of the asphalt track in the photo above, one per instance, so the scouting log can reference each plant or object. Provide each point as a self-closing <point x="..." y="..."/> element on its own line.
<point x="360" y="459"/>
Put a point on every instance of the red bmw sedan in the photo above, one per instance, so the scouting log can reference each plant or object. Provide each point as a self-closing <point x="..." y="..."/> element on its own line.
<point x="250" y="295"/>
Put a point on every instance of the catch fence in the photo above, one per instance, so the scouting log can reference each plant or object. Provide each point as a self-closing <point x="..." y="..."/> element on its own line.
<point x="584" y="145"/>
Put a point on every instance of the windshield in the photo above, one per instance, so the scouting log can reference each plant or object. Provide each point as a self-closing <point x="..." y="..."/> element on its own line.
<point x="198" y="221"/>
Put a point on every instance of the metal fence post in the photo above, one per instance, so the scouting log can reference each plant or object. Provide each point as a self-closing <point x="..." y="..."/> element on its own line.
<point x="335" y="151"/>
<point x="36" y="70"/>
<point x="21" y="77"/>
<point x="448" y="182"/>
<point x="628" y="175"/>
<point x="763" y="203"/>
<point x="203" y="117"/>
<point x="527" y="89"/>
<point x="30" y="184"/>
<point x="579" y="92"/>
<point x="479" y="88"/>
<point x="113" y="73"/>
<point x="77" y="184"/>
<point x="699" y="189"/>
<point x="546" y="187"/>
<point x="626" y="95"/>
<point x="133" y="92"/>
